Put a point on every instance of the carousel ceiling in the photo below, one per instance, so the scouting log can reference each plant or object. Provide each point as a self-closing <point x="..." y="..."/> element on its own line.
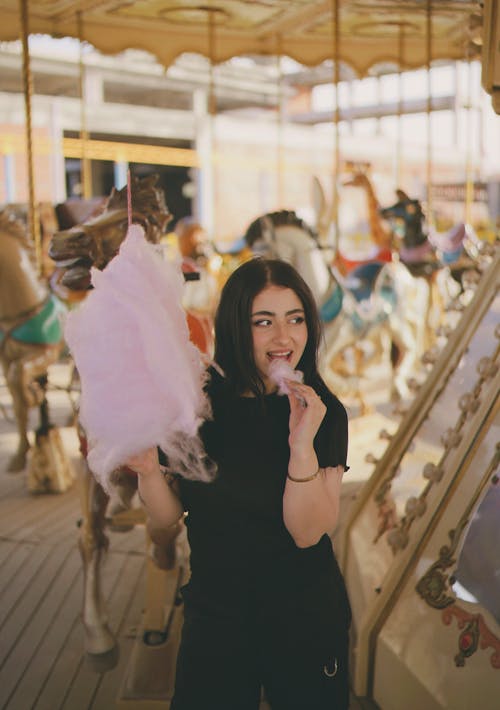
<point x="370" y="32"/>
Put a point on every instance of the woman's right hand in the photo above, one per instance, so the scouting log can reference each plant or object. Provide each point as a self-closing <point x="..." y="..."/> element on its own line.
<point x="145" y="463"/>
<point x="160" y="501"/>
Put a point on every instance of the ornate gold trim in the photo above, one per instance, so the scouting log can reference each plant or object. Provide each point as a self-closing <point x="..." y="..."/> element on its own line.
<point x="398" y="535"/>
<point x="476" y="633"/>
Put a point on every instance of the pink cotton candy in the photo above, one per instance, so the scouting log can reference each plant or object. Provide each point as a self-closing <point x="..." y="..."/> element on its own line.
<point x="141" y="377"/>
<point x="279" y="371"/>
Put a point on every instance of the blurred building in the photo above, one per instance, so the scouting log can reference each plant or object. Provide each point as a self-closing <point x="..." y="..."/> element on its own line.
<point x="239" y="139"/>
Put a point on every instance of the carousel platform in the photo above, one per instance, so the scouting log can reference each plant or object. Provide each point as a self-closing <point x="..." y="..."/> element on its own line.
<point x="42" y="663"/>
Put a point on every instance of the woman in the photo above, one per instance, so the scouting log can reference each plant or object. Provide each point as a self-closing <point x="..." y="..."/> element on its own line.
<point x="266" y="603"/>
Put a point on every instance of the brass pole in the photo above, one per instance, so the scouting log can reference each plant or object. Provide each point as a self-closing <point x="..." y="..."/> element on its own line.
<point x="279" y="156"/>
<point x="336" y="115"/>
<point x="399" y="143"/>
<point x="430" y="216"/>
<point x="86" y="172"/>
<point x="469" y="180"/>
<point x="212" y="111"/>
<point x="33" y="220"/>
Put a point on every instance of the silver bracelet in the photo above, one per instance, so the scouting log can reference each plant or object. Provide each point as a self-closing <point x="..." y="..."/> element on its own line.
<point x="304" y="480"/>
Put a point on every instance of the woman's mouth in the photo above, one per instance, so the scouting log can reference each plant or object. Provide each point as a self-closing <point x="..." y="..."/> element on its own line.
<point x="284" y="355"/>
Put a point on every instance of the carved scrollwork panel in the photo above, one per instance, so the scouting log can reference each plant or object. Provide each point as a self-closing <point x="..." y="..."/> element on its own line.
<point x="436" y="586"/>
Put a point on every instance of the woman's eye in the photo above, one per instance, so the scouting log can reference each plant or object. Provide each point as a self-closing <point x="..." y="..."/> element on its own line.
<point x="297" y="320"/>
<point x="262" y="322"/>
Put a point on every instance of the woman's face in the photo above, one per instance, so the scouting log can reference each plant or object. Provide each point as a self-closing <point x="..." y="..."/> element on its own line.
<point x="279" y="330"/>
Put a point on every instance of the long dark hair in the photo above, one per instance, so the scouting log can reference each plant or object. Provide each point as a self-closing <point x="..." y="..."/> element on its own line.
<point x="233" y="332"/>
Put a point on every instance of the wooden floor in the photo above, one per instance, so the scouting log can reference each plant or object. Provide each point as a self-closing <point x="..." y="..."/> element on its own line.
<point x="42" y="664"/>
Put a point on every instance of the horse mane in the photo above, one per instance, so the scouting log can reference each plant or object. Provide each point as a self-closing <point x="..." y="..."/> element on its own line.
<point x="147" y="199"/>
<point x="281" y="218"/>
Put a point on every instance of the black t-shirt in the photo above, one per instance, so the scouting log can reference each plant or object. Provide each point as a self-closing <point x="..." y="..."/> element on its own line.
<point x="243" y="558"/>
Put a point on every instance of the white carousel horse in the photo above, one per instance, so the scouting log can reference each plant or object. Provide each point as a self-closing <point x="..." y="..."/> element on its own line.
<point x="436" y="260"/>
<point x="31" y="339"/>
<point x="381" y="302"/>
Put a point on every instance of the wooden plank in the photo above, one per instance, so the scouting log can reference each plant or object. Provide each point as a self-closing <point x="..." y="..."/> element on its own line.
<point x="12" y="484"/>
<point x="37" y="513"/>
<point x="67" y="664"/>
<point x="14" y="510"/>
<point x="7" y="549"/>
<point x="85" y="683"/>
<point x="21" y="584"/>
<point x="15" y="560"/>
<point x="62" y="523"/>
<point x="30" y="661"/>
<point x="110" y="683"/>
<point x="30" y="600"/>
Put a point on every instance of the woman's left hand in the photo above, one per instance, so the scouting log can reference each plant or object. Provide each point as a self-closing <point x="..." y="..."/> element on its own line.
<point x="306" y="414"/>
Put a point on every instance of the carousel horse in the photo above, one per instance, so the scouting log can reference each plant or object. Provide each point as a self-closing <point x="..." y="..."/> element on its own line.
<point x="423" y="252"/>
<point x="437" y="258"/>
<point x="214" y="262"/>
<point x="31" y="339"/>
<point x="440" y="258"/>
<point x="428" y="250"/>
<point x="372" y="305"/>
<point x="228" y="256"/>
<point x="380" y="236"/>
<point x="94" y="243"/>
<point x="198" y="257"/>
<point x="428" y="290"/>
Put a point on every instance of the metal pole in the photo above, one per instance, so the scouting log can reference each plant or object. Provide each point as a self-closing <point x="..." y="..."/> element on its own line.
<point x="212" y="111"/>
<point x="399" y="143"/>
<point x="469" y="179"/>
<point x="279" y="156"/>
<point x="430" y="217"/>
<point x="33" y="221"/>
<point x="86" y="170"/>
<point x="336" y="115"/>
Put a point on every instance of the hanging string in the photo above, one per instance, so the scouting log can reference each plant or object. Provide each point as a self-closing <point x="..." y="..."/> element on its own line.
<point x="129" y="198"/>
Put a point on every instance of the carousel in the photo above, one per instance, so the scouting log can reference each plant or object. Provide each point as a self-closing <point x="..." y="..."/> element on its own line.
<point x="418" y="539"/>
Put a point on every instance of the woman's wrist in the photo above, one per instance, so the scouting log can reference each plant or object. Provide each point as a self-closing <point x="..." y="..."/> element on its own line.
<point x="303" y="466"/>
<point x="303" y="479"/>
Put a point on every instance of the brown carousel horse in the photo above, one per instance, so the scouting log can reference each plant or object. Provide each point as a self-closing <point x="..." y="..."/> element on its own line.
<point x="31" y="339"/>
<point x="94" y="243"/>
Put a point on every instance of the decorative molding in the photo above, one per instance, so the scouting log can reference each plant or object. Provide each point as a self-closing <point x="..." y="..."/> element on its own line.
<point x="475" y="635"/>
<point x="435" y="587"/>
<point x="435" y="583"/>
<point x="398" y="532"/>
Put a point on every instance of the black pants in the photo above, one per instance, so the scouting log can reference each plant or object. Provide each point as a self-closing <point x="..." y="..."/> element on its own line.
<point x="223" y="663"/>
